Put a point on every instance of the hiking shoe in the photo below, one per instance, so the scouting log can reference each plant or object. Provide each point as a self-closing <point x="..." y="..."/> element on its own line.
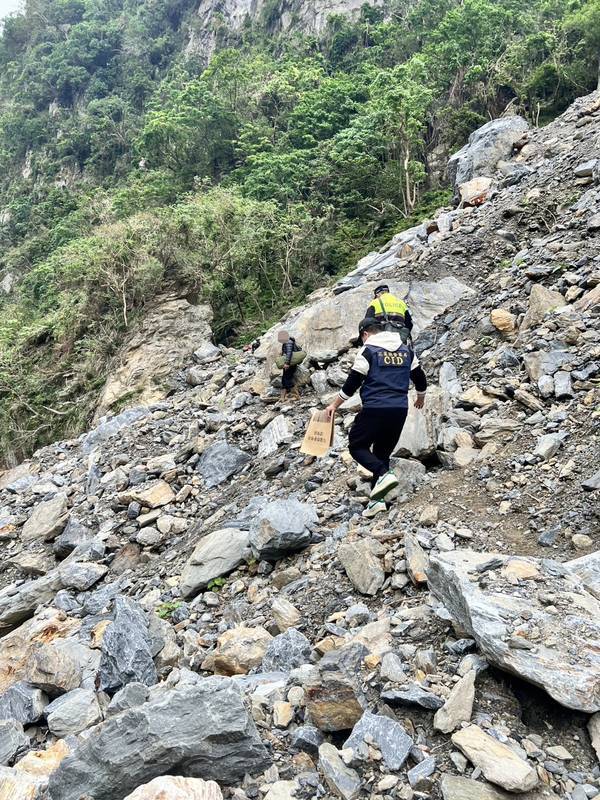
<point x="373" y="509"/>
<point x="384" y="485"/>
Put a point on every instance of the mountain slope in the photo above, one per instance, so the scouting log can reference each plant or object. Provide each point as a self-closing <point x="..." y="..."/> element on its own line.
<point x="191" y="537"/>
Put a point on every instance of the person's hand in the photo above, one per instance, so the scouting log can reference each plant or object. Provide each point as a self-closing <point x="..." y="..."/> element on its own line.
<point x="420" y="401"/>
<point x="330" y="411"/>
<point x="286" y="366"/>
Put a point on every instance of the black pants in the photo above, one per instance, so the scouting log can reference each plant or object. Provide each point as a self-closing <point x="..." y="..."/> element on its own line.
<point x="287" y="379"/>
<point x="374" y="436"/>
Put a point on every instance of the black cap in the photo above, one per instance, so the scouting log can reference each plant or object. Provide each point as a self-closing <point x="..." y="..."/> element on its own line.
<point x="365" y="323"/>
<point x="382" y="288"/>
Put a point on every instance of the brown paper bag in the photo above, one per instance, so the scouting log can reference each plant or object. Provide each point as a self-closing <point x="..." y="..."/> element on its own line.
<point x="319" y="435"/>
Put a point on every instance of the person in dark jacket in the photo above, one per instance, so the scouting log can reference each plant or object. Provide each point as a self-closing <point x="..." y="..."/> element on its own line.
<point x="382" y="370"/>
<point x="288" y="348"/>
<point x="389" y="309"/>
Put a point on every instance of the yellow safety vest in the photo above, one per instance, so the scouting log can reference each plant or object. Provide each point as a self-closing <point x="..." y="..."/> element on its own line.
<point x="389" y="304"/>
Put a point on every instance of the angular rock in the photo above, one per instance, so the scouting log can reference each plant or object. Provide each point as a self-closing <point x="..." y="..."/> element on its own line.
<point x="549" y="444"/>
<point x="459" y="705"/>
<point x="448" y="380"/>
<point x="343" y="781"/>
<point x="422" y="428"/>
<point x="563" y="389"/>
<point x="541" y="302"/>
<point x="40" y="764"/>
<point x="389" y="736"/>
<point x="487" y="146"/>
<point x="283" y="714"/>
<point x="152" y="495"/>
<point x="283" y="790"/>
<point x="362" y="566"/>
<point x="594" y="731"/>
<point x="207" y="353"/>
<point x="307" y="738"/>
<point x="73" y="712"/>
<point x="281" y="527"/>
<point x="220" y="461"/>
<point x="419" y="774"/>
<point x="18" y="785"/>
<point x="126" y="648"/>
<point x="486" y="613"/>
<point x="277" y="432"/>
<point x="130" y="696"/>
<point x="499" y="764"/>
<point x="540" y="363"/>
<point x="53" y="669"/>
<point x="592" y="483"/>
<point x="12" y="740"/>
<point x="417" y="560"/>
<point x="285" y="614"/>
<point x="456" y="788"/>
<point x="74" y="535"/>
<point x="23" y="703"/>
<point x="197" y="731"/>
<point x="413" y="695"/>
<point x="170" y="788"/>
<point x="47" y="520"/>
<point x="392" y="668"/>
<point x="475" y="192"/>
<point x="240" y="649"/>
<point x="286" y="652"/>
<point x="332" y="701"/>
<point x="215" y="555"/>
<point x="81" y="576"/>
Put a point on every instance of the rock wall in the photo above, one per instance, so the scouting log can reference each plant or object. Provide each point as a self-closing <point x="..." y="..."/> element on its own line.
<point x="161" y="343"/>
<point x="279" y="16"/>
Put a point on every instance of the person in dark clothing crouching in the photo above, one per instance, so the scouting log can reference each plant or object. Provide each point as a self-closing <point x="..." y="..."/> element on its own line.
<point x="382" y="370"/>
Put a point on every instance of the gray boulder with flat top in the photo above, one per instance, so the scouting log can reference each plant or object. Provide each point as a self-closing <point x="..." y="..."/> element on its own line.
<point x="200" y="731"/>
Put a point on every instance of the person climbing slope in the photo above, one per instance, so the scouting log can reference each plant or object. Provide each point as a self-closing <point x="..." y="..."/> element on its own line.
<point x="383" y="370"/>
<point x="289" y="346"/>
<point x="390" y="311"/>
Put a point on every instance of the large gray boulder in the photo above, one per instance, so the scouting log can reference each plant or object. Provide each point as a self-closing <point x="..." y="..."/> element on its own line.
<point x="23" y="702"/>
<point x="281" y="528"/>
<point x="73" y="712"/>
<point x="219" y="462"/>
<point x="327" y="326"/>
<point x="47" y="520"/>
<point x="488" y="145"/>
<point x="126" y="649"/>
<point x="18" y="603"/>
<point x="513" y="627"/>
<point x="201" y="731"/>
<point x="216" y="554"/>
<point x="12" y="740"/>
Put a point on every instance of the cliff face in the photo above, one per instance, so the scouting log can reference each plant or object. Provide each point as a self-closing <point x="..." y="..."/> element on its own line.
<point x="276" y="15"/>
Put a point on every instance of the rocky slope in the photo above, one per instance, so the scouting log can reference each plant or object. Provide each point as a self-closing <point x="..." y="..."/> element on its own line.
<point x="188" y="605"/>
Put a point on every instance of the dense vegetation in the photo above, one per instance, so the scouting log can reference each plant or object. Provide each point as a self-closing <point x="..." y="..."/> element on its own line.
<point x="127" y="167"/>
